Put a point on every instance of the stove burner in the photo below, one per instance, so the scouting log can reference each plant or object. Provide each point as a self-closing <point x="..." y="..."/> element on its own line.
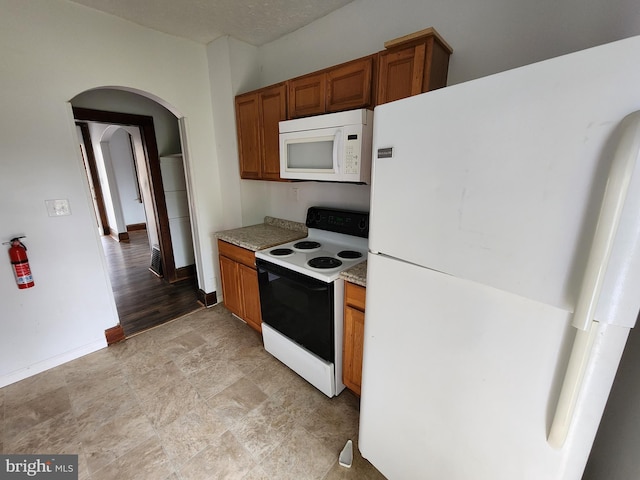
<point x="324" y="262"/>
<point x="349" y="254"/>
<point x="307" y="245"/>
<point x="281" y="252"/>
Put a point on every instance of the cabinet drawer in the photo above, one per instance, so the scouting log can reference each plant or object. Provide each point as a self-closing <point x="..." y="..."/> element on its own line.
<point x="238" y="254"/>
<point x="354" y="295"/>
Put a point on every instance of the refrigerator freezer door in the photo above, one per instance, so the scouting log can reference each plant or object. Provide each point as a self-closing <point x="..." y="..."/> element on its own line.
<point x="499" y="180"/>
<point x="459" y="382"/>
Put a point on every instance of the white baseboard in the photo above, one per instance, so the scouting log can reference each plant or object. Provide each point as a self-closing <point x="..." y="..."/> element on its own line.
<point x="39" y="367"/>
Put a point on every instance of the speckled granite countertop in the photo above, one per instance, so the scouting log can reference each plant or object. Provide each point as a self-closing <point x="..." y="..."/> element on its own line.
<point x="273" y="231"/>
<point x="356" y="274"/>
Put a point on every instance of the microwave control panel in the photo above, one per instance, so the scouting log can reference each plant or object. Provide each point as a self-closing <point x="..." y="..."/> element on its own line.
<point x="352" y="154"/>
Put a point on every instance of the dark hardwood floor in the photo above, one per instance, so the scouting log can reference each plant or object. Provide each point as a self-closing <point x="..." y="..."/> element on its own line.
<point x="143" y="300"/>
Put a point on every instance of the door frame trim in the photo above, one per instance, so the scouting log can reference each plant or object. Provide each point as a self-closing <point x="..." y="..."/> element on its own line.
<point x="90" y="162"/>
<point x="152" y="160"/>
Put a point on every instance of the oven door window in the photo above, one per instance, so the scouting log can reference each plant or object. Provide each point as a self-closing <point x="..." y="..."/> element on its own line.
<point x="299" y="307"/>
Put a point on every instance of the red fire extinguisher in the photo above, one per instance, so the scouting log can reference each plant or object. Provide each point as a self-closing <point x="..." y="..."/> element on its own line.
<point x="20" y="263"/>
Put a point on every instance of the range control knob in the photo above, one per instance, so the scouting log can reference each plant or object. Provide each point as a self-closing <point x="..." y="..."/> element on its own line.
<point x="311" y="217"/>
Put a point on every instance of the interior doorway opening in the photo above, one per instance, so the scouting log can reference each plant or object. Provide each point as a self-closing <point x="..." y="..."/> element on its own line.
<point x="141" y="198"/>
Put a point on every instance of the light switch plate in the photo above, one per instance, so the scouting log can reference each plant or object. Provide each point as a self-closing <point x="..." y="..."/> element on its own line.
<point x="57" y="208"/>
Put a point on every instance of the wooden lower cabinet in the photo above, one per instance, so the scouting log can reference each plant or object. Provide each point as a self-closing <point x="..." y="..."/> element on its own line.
<point x="250" y="296"/>
<point x="240" y="283"/>
<point x="230" y="285"/>
<point x="353" y="341"/>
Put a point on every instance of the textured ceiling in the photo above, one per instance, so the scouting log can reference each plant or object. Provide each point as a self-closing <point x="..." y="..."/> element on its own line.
<point x="254" y="21"/>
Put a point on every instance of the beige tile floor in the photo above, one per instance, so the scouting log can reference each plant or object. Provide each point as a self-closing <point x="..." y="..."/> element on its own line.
<point x="197" y="398"/>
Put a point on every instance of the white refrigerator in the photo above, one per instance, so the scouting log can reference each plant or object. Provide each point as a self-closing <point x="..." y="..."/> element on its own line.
<point x="500" y="207"/>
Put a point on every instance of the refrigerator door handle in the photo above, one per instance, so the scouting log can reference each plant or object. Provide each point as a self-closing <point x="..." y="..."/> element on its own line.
<point x="578" y="361"/>
<point x="615" y="194"/>
<point x="622" y="168"/>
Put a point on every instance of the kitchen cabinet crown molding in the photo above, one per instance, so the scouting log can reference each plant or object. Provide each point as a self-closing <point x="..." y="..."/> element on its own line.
<point x="419" y="36"/>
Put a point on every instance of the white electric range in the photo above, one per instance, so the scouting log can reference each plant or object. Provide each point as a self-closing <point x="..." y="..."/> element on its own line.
<point x="302" y="294"/>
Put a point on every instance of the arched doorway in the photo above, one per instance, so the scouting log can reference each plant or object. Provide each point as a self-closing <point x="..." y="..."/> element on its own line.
<point x="159" y="187"/>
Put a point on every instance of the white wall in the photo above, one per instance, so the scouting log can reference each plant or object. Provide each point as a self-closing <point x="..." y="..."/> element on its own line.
<point x="487" y="37"/>
<point x="120" y="146"/>
<point x="52" y="50"/>
<point x="106" y="177"/>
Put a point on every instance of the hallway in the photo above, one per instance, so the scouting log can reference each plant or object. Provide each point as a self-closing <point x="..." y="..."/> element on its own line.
<point x="143" y="300"/>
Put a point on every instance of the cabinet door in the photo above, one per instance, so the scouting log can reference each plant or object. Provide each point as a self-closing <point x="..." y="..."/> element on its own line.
<point x="248" y="126"/>
<point x="352" y="349"/>
<point x="231" y="285"/>
<point x="307" y="95"/>
<point x="349" y="85"/>
<point x="250" y="297"/>
<point x="273" y="109"/>
<point x="400" y="73"/>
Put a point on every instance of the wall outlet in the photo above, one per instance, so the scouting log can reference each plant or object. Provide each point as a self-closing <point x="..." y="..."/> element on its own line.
<point x="294" y="193"/>
<point x="57" y="208"/>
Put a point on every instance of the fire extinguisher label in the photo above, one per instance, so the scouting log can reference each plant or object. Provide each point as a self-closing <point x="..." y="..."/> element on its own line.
<point x="23" y="273"/>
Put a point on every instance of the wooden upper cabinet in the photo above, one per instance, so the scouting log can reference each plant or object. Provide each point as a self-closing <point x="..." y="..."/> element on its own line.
<point x="307" y="95"/>
<point x="412" y="65"/>
<point x="408" y="66"/>
<point x="273" y="108"/>
<point x="335" y="89"/>
<point x="257" y="117"/>
<point x="349" y="85"/>
<point x="248" y="126"/>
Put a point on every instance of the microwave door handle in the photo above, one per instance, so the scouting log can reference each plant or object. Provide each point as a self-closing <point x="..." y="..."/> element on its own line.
<point x="337" y="147"/>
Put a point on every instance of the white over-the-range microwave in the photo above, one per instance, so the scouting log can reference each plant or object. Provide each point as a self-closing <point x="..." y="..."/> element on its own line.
<point x="334" y="147"/>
